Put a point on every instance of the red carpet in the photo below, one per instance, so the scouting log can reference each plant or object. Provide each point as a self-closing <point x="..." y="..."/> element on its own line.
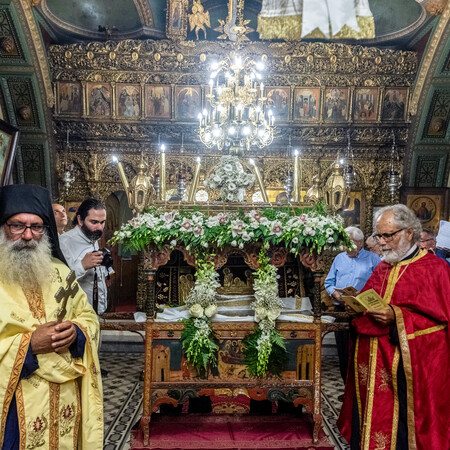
<point x="208" y="432"/>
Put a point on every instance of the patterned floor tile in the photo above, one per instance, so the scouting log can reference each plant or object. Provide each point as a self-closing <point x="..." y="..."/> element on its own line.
<point x="123" y="398"/>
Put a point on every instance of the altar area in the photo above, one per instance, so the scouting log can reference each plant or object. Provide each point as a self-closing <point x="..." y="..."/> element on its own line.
<point x="249" y="328"/>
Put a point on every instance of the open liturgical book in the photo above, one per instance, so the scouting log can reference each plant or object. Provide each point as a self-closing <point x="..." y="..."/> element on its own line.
<point x="362" y="302"/>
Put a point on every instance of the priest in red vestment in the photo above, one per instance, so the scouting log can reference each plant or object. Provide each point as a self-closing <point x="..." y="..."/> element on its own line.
<point x="397" y="389"/>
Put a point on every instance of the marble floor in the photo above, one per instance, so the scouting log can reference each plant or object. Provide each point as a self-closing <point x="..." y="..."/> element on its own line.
<point x="123" y="397"/>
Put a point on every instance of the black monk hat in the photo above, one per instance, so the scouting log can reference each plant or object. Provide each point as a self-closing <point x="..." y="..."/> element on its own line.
<point x="31" y="199"/>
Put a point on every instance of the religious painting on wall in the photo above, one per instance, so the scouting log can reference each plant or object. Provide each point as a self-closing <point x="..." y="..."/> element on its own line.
<point x="306" y="104"/>
<point x="176" y="18"/>
<point x="128" y="100"/>
<point x="188" y="102"/>
<point x="335" y="106"/>
<point x="8" y="141"/>
<point x="438" y="116"/>
<point x="71" y="210"/>
<point x="365" y="104"/>
<point x="394" y="104"/>
<point x="157" y="101"/>
<point x="69" y="98"/>
<point x="429" y="204"/>
<point x="99" y="99"/>
<point x="278" y="100"/>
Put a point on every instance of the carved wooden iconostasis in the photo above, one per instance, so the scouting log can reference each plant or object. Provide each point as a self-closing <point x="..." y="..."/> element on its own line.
<point x="125" y="97"/>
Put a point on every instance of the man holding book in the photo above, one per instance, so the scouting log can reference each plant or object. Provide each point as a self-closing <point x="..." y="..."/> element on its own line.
<point x="396" y="394"/>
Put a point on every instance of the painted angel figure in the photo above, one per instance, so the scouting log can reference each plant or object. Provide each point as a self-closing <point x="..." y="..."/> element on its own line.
<point x="199" y="18"/>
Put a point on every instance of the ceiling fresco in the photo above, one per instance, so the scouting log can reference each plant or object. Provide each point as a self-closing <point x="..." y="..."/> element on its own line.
<point x="71" y="20"/>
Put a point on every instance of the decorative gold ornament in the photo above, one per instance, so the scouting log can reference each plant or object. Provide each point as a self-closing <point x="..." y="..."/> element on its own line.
<point x="314" y="193"/>
<point x="180" y="57"/>
<point x="335" y="191"/>
<point x="157" y="56"/>
<point x="134" y="56"/>
<point x="112" y="56"/>
<point x="90" y="55"/>
<point x="202" y="57"/>
<point x="68" y="54"/>
<point x="199" y="18"/>
<point x="140" y="191"/>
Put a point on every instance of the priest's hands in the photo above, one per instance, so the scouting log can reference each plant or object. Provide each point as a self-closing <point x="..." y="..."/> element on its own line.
<point x="53" y="337"/>
<point x="383" y="316"/>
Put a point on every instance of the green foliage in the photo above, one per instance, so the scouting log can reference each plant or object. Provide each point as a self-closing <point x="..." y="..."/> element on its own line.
<point x="199" y="346"/>
<point x="264" y="359"/>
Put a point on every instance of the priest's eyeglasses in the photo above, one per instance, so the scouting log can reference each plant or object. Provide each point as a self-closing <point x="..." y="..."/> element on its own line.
<point x="387" y="236"/>
<point x="20" y="228"/>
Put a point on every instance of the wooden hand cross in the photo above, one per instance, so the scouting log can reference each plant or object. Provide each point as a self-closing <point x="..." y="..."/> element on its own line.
<point x="64" y="294"/>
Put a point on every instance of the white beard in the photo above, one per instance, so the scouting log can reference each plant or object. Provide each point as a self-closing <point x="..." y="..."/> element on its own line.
<point x="394" y="256"/>
<point x="26" y="264"/>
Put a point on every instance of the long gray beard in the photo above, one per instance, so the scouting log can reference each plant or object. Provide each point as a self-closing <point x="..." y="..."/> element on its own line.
<point x="391" y="256"/>
<point x="25" y="263"/>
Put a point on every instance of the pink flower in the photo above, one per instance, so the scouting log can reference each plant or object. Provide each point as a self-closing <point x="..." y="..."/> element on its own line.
<point x="302" y="217"/>
<point x="237" y="227"/>
<point x="276" y="228"/>
<point x="198" y="231"/>
<point x="186" y="225"/>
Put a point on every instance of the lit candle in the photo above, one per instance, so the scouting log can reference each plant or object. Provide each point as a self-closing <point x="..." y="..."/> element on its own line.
<point x="195" y="181"/>
<point x="260" y="181"/>
<point x="296" y="177"/>
<point x="162" y="172"/>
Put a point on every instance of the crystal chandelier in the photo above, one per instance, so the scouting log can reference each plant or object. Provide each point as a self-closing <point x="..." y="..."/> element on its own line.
<point x="237" y="114"/>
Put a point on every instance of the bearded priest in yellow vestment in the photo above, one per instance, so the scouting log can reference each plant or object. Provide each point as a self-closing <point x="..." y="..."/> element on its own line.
<point x="50" y="383"/>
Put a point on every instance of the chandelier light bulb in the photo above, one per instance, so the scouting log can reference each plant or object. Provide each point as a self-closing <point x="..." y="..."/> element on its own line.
<point x="211" y="83"/>
<point x="246" y="131"/>
<point x="115" y="159"/>
<point x="163" y="148"/>
<point x="217" y="132"/>
<point x="214" y="65"/>
<point x="296" y="152"/>
<point x="251" y="161"/>
<point x="260" y="65"/>
<point x="198" y="159"/>
<point x="199" y="116"/>
<point x="231" y="130"/>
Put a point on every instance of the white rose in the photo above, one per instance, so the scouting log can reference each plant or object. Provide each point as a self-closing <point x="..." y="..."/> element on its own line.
<point x="196" y="310"/>
<point x="173" y="242"/>
<point x="210" y="310"/>
<point x="233" y="243"/>
<point x="205" y="244"/>
<point x="273" y="314"/>
<point x="241" y="245"/>
<point x="295" y="240"/>
<point x="260" y="313"/>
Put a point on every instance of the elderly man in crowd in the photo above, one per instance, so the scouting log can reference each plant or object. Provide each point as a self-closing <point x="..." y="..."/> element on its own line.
<point x="396" y="391"/>
<point x="50" y="385"/>
<point x="373" y="246"/>
<point x="427" y="240"/>
<point x="351" y="268"/>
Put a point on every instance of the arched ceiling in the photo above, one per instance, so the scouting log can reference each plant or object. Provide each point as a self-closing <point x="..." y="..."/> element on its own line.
<point x="71" y="20"/>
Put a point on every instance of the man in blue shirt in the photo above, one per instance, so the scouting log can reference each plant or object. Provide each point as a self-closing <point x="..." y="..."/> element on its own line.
<point x="350" y="268"/>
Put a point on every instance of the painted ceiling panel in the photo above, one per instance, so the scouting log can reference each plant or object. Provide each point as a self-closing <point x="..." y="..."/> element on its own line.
<point x="90" y="14"/>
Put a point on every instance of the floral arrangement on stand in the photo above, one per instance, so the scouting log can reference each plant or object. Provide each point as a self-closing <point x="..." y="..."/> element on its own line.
<point x="231" y="179"/>
<point x="264" y="348"/>
<point x="199" y="233"/>
<point x="198" y="340"/>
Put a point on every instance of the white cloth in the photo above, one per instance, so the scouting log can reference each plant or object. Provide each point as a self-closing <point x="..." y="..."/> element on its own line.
<point x="443" y="237"/>
<point x="74" y="245"/>
<point x="275" y="8"/>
